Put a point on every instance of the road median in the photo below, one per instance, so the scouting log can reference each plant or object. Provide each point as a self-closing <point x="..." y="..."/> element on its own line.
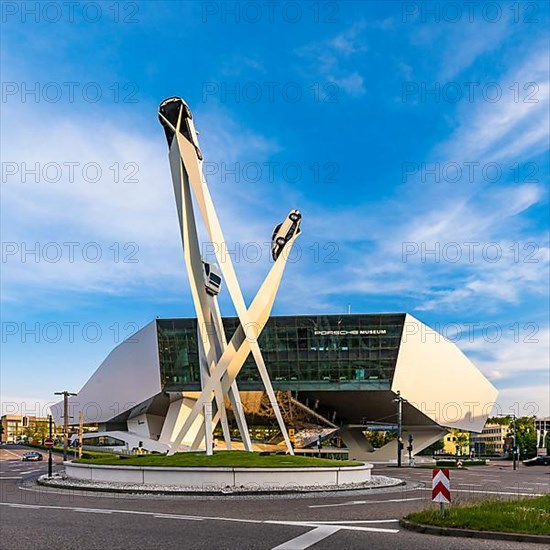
<point x="526" y="520"/>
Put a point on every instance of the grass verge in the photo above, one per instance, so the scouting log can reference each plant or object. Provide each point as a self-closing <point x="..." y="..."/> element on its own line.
<point x="229" y="459"/>
<point x="528" y="515"/>
<point x="71" y="451"/>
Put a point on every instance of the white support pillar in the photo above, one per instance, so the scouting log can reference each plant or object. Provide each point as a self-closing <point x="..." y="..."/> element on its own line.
<point x="208" y="428"/>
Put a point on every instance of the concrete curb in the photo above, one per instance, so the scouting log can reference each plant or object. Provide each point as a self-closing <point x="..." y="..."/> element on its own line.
<point x="151" y="490"/>
<point x="472" y="533"/>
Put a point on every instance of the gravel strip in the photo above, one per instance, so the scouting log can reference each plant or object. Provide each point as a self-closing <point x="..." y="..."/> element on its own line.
<point x="63" y="482"/>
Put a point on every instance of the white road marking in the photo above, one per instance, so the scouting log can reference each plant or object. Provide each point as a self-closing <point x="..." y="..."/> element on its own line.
<point x="175" y="516"/>
<point x="496" y="492"/>
<point x="517" y="488"/>
<point x="357" y="521"/>
<point x="92" y="511"/>
<point x="356" y="502"/>
<point x="18" y="477"/>
<point x="332" y="527"/>
<point x="307" y="539"/>
<point x="345" y="527"/>
<point x="12" y="453"/>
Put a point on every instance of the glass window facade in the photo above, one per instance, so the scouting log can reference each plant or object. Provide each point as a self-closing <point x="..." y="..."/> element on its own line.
<point x="300" y="352"/>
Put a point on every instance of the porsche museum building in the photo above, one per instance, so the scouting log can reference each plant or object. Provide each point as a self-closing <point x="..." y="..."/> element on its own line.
<point x="339" y="374"/>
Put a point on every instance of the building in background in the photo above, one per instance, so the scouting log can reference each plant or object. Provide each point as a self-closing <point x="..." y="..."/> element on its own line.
<point x="342" y="371"/>
<point x="23" y="428"/>
<point x="494" y="439"/>
<point x="456" y="442"/>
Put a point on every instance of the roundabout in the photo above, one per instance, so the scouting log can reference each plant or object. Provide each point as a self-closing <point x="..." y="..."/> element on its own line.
<point x="224" y="472"/>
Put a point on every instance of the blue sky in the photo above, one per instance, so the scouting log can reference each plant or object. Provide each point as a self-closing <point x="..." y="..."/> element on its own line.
<point x="394" y="131"/>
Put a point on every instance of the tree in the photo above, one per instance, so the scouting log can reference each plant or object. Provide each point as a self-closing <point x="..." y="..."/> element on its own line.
<point x="42" y="430"/>
<point x="433" y="448"/>
<point x="501" y="420"/>
<point x="526" y="436"/>
<point x="463" y="442"/>
<point x="379" y="438"/>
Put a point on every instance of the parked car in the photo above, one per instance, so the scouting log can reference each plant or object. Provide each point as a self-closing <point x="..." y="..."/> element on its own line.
<point x="31" y="456"/>
<point x="538" y="461"/>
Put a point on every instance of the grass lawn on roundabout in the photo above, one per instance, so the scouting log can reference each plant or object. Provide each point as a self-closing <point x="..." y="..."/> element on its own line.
<point x="527" y="515"/>
<point x="227" y="459"/>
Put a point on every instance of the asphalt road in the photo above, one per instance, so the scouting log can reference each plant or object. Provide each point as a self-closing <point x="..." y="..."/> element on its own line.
<point x="33" y="517"/>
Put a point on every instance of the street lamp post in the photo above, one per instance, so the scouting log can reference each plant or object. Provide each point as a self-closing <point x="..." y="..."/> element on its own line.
<point x="399" y="400"/>
<point x="65" y="395"/>
<point x="50" y="459"/>
<point x="514" y="439"/>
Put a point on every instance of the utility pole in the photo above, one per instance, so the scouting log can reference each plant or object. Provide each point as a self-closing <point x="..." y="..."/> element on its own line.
<point x="50" y="459"/>
<point x="80" y="433"/>
<point x="515" y="452"/>
<point x="65" y="395"/>
<point x="399" y="400"/>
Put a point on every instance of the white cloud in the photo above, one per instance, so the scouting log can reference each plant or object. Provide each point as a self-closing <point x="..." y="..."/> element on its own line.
<point x="524" y="401"/>
<point x="514" y="126"/>
<point x="336" y="58"/>
<point x="106" y="212"/>
<point x="517" y="347"/>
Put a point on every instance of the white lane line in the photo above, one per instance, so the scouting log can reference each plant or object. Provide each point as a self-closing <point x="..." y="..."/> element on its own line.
<point x="356" y="502"/>
<point x="497" y="492"/>
<point x="15" y="505"/>
<point x="307" y="539"/>
<point x="525" y="488"/>
<point x="12" y="453"/>
<point x="175" y="516"/>
<point x="132" y="512"/>
<point x="92" y="511"/>
<point x="311" y="524"/>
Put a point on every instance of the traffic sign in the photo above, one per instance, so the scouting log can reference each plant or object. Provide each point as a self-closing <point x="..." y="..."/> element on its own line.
<point x="441" y="486"/>
<point x="48" y="443"/>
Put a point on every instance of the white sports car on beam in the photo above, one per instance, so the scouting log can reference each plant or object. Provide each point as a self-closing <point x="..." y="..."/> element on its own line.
<point x="169" y="112"/>
<point x="284" y="232"/>
<point x="212" y="278"/>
